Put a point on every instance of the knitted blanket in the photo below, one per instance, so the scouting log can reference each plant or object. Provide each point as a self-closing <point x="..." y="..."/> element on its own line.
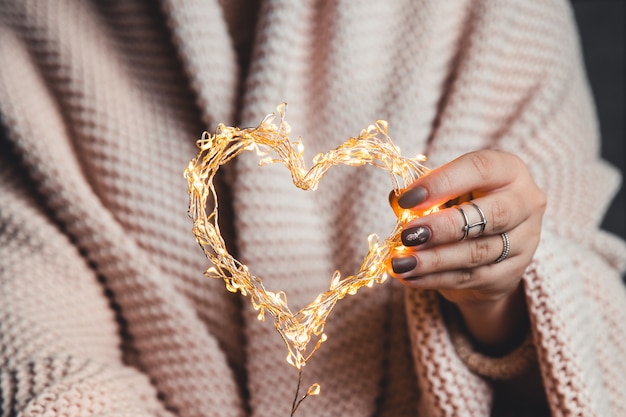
<point x="103" y="306"/>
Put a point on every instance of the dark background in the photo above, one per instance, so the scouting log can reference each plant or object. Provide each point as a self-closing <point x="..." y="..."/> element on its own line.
<point x="601" y="26"/>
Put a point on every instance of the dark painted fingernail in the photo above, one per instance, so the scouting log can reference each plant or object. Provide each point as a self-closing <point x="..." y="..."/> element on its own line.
<point x="393" y="202"/>
<point x="415" y="236"/>
<point x="412" y="197"/>
<point x="403" y="264"/>
<point x="393" y="198"/>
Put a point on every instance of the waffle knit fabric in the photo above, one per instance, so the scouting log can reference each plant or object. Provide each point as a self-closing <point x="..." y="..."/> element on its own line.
<point x="103" y="306"/>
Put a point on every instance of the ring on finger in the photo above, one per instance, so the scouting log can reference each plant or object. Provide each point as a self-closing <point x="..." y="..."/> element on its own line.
<point x="506" y="249"/>
<point x="468" y="226"/>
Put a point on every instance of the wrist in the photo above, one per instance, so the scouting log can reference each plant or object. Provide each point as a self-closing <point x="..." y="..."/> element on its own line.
<point x="496" y="326"/>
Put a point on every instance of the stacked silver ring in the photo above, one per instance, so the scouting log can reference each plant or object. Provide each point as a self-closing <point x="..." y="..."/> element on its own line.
<point x="506" y="249"/>
<point x="466" y="228"/>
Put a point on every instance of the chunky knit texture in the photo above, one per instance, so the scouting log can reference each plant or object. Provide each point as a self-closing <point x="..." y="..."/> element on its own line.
<point x="103" y="306"/>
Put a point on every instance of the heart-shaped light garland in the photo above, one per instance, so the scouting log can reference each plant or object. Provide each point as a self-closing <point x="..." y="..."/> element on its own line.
<point x="372" y="147"/>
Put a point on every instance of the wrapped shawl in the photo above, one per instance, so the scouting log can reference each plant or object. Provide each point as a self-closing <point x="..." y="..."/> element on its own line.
<point x="103" y="306"/>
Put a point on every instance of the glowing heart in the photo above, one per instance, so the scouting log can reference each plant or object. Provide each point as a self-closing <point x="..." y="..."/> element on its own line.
<point x="372" y="147"/>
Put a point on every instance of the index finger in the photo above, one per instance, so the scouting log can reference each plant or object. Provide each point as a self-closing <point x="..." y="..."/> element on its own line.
<point x="476" y="172"/>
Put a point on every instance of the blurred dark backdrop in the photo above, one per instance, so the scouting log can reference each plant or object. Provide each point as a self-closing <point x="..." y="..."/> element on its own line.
<point x="601" y="26"/>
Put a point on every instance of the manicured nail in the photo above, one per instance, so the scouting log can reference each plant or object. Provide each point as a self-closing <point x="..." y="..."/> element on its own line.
<point x="415" y="236"/>
<point x="393" y="202"/>
<point x="412" y="197"/>
<point x="403" y="264"/>
<point x="393" y="198"/>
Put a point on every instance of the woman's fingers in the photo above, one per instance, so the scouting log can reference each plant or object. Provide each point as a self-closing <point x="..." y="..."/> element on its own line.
<point x="465" y="271"/>
<point x="471" y="285"/>
<point x="476" y="172"/>
<point x="466" y="255"/>
<point x="488" y="215"/>
<point x="497" y="217"/>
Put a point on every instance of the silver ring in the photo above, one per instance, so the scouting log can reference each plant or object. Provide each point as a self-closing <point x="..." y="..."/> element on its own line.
<point x="506" y="249"/>
<point x="466" y="228"/>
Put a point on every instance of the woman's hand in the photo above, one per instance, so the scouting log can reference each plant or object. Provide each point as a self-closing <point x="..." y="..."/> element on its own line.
<point x="454" y="250"/>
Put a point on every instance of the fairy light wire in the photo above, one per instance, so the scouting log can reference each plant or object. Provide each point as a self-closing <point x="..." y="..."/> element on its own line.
<point x="302" y="332"/>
